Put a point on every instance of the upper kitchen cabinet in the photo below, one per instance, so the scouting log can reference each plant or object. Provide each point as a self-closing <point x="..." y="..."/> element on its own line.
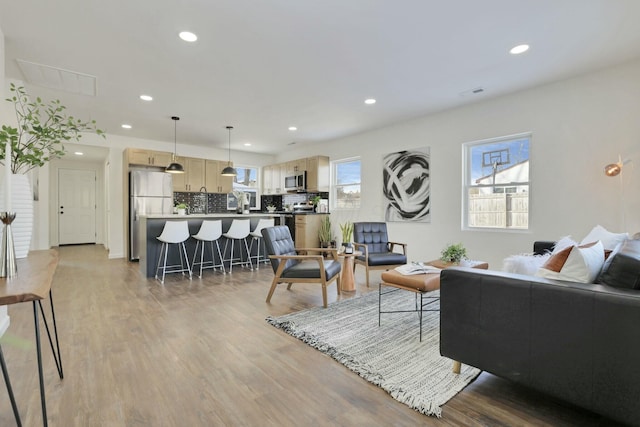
<point x="193" y="178"/>
<point x="296" y="166"/>
<point x="214" y="181"/>
<point x="272" y="180"/>
<point x="138" y="156"/>
<point x="317" y="173"/>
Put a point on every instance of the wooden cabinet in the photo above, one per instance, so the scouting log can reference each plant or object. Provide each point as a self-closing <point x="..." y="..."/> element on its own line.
<point x="272" y="181"/>
<point x="318" y="173"/>
<point x="192" y="180"/>
<point x="307" y="227"/>
<point x="214" y="181"/>
<point x="296" y="166"/>
<point x="317" y="169"/>
<point x="137" y="156"/>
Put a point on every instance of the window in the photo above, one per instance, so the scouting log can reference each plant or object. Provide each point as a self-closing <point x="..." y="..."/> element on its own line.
<point x="346" y="184"/>
<point x="246" y="181"/>
<point x="496" y="183"/>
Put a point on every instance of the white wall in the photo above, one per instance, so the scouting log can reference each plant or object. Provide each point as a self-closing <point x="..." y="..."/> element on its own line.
<point x="578" y="126"/>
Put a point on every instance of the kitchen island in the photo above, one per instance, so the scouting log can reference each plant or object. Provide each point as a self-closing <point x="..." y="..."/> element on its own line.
<point x="151" y="227"/>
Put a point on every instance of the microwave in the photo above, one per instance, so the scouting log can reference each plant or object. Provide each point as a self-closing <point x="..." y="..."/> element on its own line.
<point x="297" y="182"/>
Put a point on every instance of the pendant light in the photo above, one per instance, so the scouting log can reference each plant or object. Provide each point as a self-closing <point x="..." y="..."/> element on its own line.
<point x="229" y="170"/>
<point x="175" y="167"/>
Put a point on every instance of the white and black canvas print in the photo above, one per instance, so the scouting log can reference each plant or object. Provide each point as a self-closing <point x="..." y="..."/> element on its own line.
<point x="407" y="185"/>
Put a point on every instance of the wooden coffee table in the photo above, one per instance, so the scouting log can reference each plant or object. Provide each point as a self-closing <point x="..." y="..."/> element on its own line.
<point x="420" y="284"/>
<point x="424" y="282"/>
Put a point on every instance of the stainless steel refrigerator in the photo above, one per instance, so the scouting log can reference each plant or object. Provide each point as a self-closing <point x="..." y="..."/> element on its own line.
<point x="149" y="193"/>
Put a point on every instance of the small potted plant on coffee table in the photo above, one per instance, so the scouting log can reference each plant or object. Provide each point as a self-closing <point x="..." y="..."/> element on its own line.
<point x="453" y="253"/>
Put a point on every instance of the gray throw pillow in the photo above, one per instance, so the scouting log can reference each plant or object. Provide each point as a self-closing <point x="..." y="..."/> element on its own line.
<point x="622" y="268"/>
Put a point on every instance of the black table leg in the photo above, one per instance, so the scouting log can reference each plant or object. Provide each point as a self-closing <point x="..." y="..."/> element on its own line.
<point x="5" y="373"/>
<point x="40" y="374"/>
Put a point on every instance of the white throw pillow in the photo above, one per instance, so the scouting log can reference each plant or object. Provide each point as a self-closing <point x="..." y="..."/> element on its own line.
<point x="582" y="265"/>
<point x="524" y="264"/>
<point x="564" y="242"/>
<point x="609" y="240"/>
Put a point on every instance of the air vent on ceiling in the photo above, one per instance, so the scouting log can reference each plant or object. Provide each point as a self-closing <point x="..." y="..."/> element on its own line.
<point x="474" y="91"/>
<point x="57" y="78"/>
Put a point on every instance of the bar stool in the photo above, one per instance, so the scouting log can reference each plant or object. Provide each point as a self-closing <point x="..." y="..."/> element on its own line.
<point x="239" y="230"/>
<point x="256" y="236"/>
<point x="210" y="231"/>
<point x="174" y="232"/>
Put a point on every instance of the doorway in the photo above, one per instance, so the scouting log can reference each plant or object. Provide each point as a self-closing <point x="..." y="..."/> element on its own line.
<point x="76" y="206"/>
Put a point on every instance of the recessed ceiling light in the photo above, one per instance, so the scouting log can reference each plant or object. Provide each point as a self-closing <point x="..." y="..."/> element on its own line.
<point x="79" y="153"/>
<point x="291" y="143"/>
<point x="521" y="48"/>
<point x="188" y="36"/>
<point x="146" y="97"/>
<point x="370" y="101"/>
<point x="247" y="144"/>
<point x="126" y="126"/>
<point x="292" y="128"/>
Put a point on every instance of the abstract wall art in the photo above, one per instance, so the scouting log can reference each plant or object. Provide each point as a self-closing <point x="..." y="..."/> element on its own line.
<point x="407" y="185"/>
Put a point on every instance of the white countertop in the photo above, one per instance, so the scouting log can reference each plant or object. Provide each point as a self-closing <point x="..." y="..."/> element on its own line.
<point x="212" y="215"/>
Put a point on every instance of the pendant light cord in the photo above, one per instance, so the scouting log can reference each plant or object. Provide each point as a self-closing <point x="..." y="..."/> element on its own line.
<point x="229" y="160"/>
<point x="175" y="136"/>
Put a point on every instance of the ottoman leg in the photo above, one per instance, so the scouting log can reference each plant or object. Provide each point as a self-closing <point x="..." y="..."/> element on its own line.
<point x="456" y="367"/>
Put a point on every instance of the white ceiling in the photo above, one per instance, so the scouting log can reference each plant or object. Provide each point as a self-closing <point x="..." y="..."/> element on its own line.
<point x="265" y="65"/>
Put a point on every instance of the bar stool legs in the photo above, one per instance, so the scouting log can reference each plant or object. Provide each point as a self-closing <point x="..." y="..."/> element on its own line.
<point x="174" y="232"/>
<point x="239" y="230"/>
<point x="256" y="236"/>
<point x="210" y="231"/>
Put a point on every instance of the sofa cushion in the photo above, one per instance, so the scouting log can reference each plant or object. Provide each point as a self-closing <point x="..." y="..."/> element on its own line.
<point x="609" y="240"/>
<point x="577" y="264"/>
<point x="622" y="269"/>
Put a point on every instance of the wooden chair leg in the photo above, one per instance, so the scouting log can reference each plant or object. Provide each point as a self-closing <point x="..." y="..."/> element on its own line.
<point x="324" y="295"/>
<point x="273" y="288"/>
<point x="456" y="367"/>
<point x="289" y="286"/>
<point x="367" y="276"/>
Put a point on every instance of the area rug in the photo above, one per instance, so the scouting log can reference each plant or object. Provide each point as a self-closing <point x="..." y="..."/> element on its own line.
<point x="390" y="356"/>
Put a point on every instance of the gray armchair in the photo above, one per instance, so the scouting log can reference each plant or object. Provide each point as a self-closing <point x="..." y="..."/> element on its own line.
<point x="291" y="265"/>
<point x="378" y="253"/>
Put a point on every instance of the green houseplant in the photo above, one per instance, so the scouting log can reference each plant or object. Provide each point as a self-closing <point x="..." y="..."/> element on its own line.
<point x="43" y="128"/>
<point x="347" y="233"/>
<point x="325" y="234"/>
<point x="453" y="253"/>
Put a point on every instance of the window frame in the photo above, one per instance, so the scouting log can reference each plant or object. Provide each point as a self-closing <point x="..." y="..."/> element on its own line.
<point x="467" y="165"/>
<point x="334" y="183"/>
<point x="257" y="191"/>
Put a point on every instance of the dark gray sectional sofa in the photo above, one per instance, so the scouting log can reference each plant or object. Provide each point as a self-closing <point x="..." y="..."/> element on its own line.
<point x="577" y="342"/>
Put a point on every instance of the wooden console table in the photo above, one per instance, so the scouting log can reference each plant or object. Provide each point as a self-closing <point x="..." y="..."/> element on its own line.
<point x="33" y="284"/>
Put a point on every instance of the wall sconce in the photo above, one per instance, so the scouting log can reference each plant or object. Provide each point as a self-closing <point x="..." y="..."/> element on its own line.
<point x="614" y="169"/>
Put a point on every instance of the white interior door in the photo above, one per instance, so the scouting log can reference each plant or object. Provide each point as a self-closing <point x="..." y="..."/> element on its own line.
<point x="76" y="206"/>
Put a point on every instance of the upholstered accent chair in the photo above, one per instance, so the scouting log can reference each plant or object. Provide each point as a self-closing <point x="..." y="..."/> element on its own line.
<point x="302" y="265"/>
<point x="378" y="253"/>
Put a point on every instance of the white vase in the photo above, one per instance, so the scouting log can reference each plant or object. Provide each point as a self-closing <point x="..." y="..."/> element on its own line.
<point x="22" y="205"/>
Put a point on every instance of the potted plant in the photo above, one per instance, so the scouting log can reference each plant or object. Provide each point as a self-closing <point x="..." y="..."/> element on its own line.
<point x="182" y="208"/>
<point x="325" y="234"/>
<point x="347" y="233"/>
<point x="453" y="253"/>
<point x="314" y="201"/>
<point x="42" y="129"/>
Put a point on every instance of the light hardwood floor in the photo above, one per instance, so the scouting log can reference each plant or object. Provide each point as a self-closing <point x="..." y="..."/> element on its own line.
<point x="199" y="353"/>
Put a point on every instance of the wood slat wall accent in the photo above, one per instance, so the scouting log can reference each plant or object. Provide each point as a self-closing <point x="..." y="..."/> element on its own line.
<point x="199" y="353"/>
